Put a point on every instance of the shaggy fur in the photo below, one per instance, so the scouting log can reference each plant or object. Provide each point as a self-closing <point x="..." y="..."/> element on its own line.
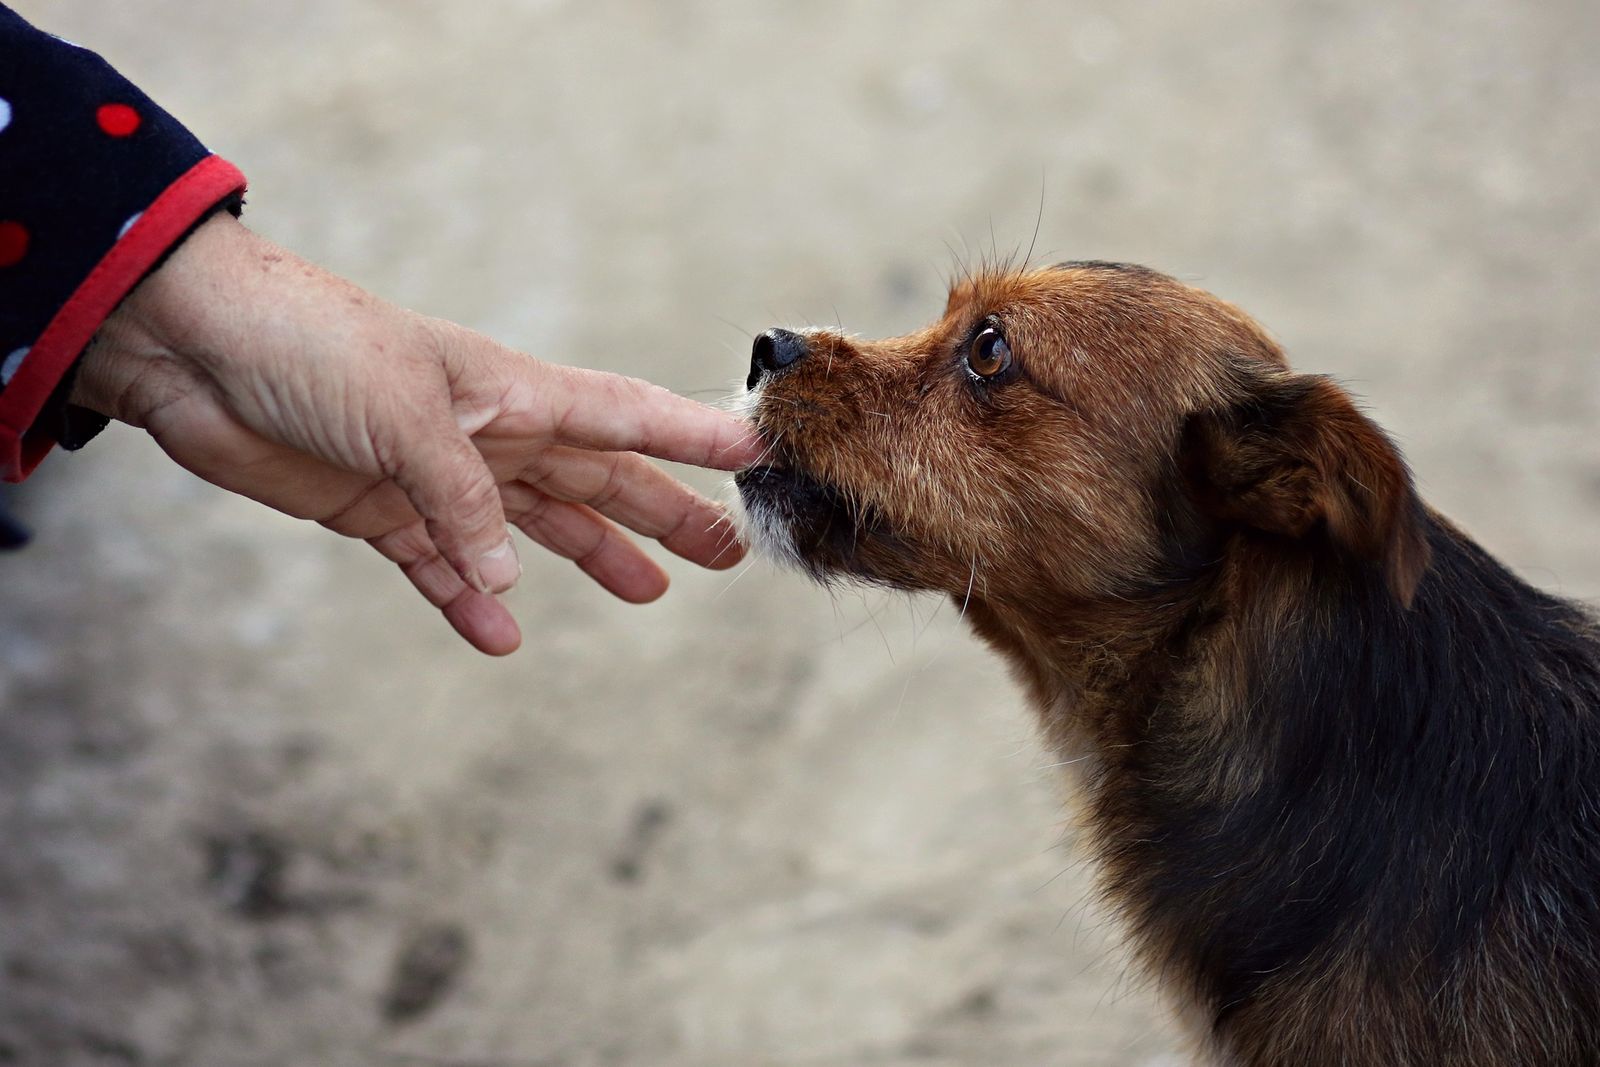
<point x="1342" y="767"/>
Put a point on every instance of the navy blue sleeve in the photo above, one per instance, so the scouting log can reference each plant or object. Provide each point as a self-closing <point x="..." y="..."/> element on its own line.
<point x="97" y="184"/>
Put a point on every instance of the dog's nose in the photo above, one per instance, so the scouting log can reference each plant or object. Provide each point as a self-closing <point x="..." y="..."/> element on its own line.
<point x="773" y="351"/>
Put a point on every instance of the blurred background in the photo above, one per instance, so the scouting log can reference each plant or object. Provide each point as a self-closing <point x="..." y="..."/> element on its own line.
<point x="258" y="805"/>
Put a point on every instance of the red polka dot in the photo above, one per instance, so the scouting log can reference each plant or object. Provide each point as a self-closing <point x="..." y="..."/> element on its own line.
<point x="13" y="243"/>
<point x="117" y="120"/>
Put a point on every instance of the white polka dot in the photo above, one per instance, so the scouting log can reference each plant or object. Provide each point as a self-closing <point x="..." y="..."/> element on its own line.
<point x="126" y="226"/>
<point x="5" y="113"/>
<point x="9" y="367"/>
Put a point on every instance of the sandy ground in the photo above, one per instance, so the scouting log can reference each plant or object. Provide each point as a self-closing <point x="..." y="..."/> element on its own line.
<point x="259" y="806"/>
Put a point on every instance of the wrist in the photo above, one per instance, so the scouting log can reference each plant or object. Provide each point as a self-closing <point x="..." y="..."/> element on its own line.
<point x="158" y="324"/>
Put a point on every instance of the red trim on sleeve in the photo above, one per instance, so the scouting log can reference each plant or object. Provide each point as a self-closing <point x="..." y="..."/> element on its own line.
<point x="198" y="190"/>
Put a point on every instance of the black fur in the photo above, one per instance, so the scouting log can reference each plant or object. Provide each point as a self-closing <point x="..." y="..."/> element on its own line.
<point x="1424" y="774"/>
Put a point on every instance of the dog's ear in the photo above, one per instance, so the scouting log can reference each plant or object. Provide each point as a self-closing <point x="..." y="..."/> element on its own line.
<point x="1296" y="458"/>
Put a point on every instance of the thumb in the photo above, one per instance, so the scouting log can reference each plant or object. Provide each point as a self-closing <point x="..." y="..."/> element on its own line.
<point x="450" y="486"/>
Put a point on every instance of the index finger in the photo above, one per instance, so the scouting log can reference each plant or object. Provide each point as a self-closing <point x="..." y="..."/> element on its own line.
<point x="613" y="413"/>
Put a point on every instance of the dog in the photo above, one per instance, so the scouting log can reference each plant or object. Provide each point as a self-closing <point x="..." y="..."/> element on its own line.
<point x="1341" y="767"/>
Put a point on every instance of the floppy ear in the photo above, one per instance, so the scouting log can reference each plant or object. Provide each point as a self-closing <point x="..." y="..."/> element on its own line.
<point x="1298" y="459"/>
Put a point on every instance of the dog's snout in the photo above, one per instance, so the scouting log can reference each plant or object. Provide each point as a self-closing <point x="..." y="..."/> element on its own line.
<point x="773" y="351"/>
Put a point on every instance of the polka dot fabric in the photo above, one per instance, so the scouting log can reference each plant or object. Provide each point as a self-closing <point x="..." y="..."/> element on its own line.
<point x="97" y="184"/>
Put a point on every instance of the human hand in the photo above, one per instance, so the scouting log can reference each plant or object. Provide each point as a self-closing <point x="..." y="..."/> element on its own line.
<point x="270" y="377"/>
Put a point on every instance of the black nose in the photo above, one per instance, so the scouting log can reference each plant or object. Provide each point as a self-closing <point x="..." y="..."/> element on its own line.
<point x="773" y="351"/>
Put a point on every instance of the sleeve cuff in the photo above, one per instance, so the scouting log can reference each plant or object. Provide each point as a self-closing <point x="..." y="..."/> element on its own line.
<point x="167" y="220"/>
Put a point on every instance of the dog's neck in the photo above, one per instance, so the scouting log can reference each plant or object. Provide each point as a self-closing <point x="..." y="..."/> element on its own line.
<point x="1091" y="666"/>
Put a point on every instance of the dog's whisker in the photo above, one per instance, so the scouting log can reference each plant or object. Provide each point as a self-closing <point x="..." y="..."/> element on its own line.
<point x="734" y="580"/>
<point x="734" y="326"/>
<point x="1038" y="221"/>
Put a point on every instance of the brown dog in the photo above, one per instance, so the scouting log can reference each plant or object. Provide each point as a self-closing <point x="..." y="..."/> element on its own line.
<point x="1342" y="767"/>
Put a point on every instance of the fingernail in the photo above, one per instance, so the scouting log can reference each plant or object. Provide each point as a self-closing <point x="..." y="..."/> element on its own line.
<point x="498" y="569"/>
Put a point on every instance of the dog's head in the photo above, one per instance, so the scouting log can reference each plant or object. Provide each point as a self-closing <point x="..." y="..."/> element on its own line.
<point x="1068" y="435"/>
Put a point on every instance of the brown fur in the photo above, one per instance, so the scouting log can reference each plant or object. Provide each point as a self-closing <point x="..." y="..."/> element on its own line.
<point x="1214" y="579"/>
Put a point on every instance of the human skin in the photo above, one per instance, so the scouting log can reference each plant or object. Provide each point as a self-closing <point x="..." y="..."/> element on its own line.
<point x="272" y="378"/>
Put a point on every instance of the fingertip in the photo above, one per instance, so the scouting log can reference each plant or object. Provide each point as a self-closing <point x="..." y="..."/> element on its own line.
<point x="707" y="537"/>
<point x="485" y="623"/>
<point x="647" y="584"/>
<point x="731" y="556"/>
<point x="501" y="644"/>
<point x="729" y="550"/>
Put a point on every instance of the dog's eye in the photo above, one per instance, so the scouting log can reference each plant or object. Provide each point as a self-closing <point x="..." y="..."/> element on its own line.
<point x="989" y="354"/>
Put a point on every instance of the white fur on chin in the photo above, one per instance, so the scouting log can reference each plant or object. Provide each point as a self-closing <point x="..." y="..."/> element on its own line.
<point x="759" y="525"/>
